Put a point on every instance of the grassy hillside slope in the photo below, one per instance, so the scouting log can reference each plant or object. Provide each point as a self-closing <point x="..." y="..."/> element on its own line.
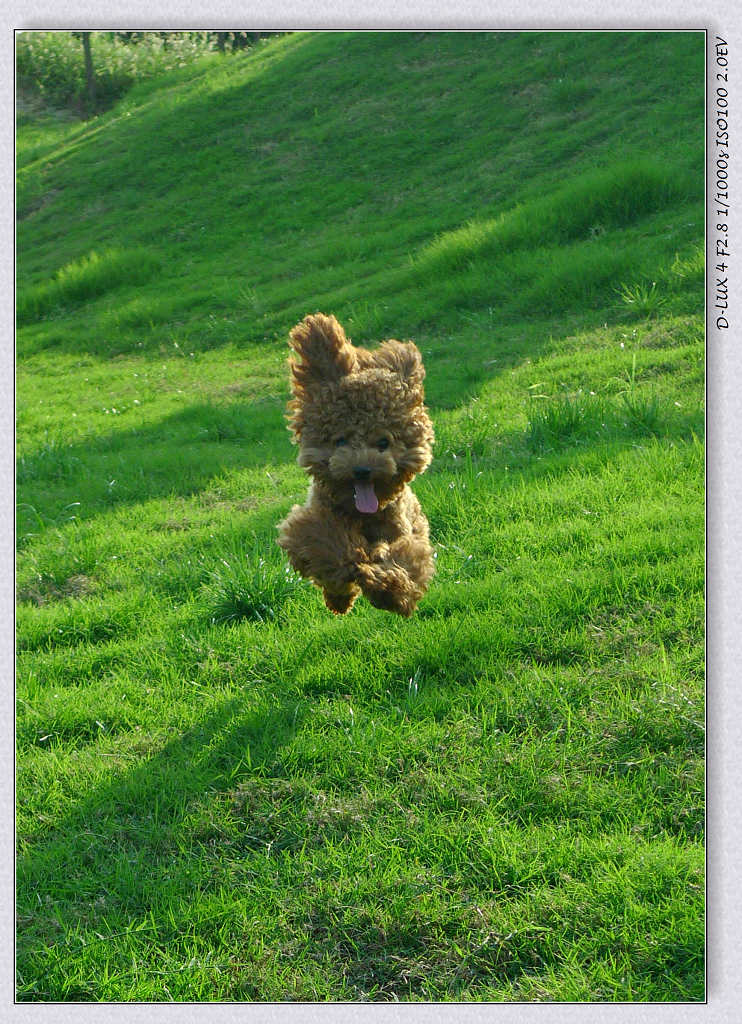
<point x="223" y="791"/>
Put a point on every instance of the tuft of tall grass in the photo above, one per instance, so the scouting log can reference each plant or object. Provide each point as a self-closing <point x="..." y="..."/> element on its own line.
<point x="78" y="618"/>
<point x="642" y="300"/>
<point x="565" y="418"/>
<point x="253" y="586"/>
<point x="691" y="267"/>
<point x="642" y="408"/>
<point x="583" y="416"/>
<point x="85" y="278"/>
<point x="644" y="411"/>
<point x="52" y="460"/>
<point x="583" y="208"/>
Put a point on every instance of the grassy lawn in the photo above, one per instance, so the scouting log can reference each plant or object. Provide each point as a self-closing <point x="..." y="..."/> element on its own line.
<point x="225" y="793"/>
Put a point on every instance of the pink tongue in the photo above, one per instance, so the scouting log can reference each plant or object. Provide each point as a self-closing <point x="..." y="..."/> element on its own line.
<point x="366" y="500"/>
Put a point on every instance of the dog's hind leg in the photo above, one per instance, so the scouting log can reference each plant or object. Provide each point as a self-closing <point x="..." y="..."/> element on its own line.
<point x="415" y="556"/>
<point x="340" y="602"/>
<point x="399" y="573"/>
<point x="389" y="587"/>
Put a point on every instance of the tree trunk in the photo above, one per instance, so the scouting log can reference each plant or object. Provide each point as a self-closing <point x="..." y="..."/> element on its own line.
<point x="89" y="73"/>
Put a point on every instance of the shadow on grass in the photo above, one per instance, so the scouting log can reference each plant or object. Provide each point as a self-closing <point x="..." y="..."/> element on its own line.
<point x="126" y="831"/>
<point x="129" y="840"/>
<point x="178" y="456"/>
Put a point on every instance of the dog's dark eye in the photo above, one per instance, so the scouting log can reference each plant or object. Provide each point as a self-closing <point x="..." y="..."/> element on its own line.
<point x="340" y="442"/>
<point x="382" y="444"/>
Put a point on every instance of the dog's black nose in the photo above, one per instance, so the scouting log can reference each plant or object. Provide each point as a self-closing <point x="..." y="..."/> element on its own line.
<point x="361" y="472"/>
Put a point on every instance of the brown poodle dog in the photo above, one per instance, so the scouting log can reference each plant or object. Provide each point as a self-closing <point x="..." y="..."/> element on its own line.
<point x="363" y="434"/>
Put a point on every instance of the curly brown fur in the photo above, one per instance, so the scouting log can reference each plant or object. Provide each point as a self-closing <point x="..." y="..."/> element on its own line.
<point x="363" y="433"/>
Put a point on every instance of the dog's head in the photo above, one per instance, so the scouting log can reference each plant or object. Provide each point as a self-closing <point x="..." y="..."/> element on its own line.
<point x="357" y="415"/>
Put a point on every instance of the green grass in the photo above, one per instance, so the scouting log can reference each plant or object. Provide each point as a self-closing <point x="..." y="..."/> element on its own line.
<point x="93" y="275"/>
<point x="225" y="793"/>
<point x="252" y="586"/>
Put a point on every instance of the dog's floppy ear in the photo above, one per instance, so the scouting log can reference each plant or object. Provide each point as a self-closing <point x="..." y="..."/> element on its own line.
<point x="402" y="357"/>
<point x="324" y="353"/>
